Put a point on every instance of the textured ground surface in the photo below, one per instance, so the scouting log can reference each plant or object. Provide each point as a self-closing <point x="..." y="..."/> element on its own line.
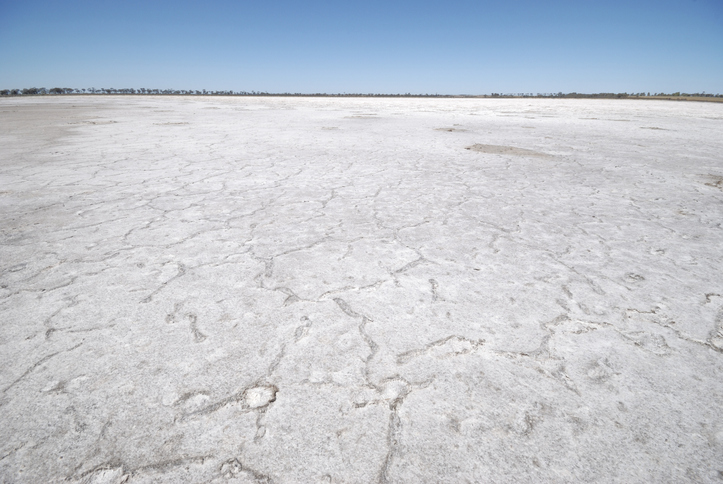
<point x="360" y="290"/>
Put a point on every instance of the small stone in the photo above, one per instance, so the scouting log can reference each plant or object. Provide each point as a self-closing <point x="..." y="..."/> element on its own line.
<point x="260" y="396"/>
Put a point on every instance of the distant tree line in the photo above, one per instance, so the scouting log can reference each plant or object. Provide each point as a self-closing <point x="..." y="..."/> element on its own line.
<point x="604" y="95"/>
<point x="41" y="91"/>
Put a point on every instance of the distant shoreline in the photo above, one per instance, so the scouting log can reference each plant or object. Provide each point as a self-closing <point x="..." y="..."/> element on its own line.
<point x="717" y="98"/>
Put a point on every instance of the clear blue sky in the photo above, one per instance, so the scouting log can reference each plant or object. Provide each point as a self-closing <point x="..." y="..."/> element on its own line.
<point x="454" y="46"/>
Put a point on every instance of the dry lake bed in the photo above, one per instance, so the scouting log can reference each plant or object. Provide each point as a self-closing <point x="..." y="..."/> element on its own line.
<point x="303" y="290"/>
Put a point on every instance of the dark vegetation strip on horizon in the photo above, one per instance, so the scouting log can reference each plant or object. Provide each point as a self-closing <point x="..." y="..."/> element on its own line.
<point x="41" y="91"/>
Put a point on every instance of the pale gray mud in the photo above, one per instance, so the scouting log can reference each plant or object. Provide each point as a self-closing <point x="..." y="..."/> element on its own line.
<point x="338" y="290"/>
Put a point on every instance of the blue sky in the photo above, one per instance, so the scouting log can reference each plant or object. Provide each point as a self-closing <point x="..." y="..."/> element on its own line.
<point x="452" y="47"/>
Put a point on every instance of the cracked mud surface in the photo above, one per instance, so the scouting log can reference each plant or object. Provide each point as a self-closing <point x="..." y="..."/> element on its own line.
<point x="270" y="290"/>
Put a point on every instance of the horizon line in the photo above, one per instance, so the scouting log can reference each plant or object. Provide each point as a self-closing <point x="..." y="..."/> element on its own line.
<point x="56" y="91"/>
